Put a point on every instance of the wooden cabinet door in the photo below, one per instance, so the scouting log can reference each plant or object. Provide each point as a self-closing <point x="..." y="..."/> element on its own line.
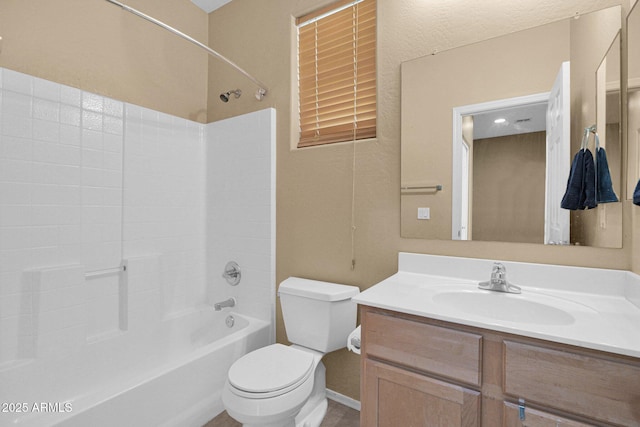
<point x="535" y="418"/>
<point x="396" y="397"/>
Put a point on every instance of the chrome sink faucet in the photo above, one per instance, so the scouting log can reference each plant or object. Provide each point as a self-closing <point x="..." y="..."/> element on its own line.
<point x="499" y="281"/>
<point x="231" y="302"/>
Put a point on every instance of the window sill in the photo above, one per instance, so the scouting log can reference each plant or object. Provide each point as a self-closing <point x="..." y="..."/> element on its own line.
<point x="334" y="144"/>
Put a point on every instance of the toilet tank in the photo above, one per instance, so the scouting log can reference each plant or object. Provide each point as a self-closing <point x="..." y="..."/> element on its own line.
<point x="318" y="315"/>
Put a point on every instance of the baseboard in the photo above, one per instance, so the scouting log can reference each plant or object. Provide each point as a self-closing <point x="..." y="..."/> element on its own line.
<point x="345" y="400"/>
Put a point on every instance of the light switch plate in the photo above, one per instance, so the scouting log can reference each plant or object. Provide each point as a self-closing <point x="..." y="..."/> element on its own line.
<point x="424" y="213"/>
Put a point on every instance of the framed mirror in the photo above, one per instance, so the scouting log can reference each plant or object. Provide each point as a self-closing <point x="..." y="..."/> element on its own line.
<point x="479" y="158"/>
<point x="633" y="98"/>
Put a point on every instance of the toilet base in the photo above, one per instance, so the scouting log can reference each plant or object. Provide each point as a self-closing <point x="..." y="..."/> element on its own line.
<point x="315" y="417"/>
<point x="278" y="424"/>
<point x="315" y="408"/>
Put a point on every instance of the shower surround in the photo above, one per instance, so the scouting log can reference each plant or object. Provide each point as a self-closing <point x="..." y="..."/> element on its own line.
<point x="115" y="224"/>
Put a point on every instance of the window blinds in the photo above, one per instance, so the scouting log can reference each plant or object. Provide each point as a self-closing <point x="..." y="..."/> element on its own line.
<point x="337" y="73"/>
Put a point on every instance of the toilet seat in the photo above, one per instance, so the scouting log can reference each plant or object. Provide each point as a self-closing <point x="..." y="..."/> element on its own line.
<point x="270" y="371"/>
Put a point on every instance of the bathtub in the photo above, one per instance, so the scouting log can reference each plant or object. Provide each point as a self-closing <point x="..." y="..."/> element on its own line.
<point x="171" y="374"/>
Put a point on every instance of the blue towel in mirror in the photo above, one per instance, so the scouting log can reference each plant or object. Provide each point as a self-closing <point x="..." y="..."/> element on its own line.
<point x="604" y="190"/>
<point x="581" y="186"/>
<point x="636" y="195"/>
<point x="588" y="198"/>
<point x="571" y="198"/>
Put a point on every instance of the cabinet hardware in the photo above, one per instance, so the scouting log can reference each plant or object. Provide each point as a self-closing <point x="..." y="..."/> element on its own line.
<point x="521" y="407"/>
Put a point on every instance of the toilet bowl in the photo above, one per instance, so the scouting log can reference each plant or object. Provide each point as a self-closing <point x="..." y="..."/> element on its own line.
<point x="284" y="386"/>
<point x="272" y="385"/>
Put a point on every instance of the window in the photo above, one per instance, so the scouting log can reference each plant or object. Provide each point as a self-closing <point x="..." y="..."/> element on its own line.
<point x="337" y="73"/>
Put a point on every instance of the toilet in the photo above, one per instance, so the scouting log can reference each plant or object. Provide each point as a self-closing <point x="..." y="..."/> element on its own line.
<point x="284" y="386"/>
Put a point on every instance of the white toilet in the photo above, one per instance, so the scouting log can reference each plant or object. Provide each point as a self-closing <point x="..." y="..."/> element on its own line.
<point x="284" y="386"/>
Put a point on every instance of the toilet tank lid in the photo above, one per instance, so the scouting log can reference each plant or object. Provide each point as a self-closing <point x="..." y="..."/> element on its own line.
<point x="316" y="289"/>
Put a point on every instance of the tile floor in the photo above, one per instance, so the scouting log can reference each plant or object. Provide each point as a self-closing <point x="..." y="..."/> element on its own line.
<point x="337" y="416"/>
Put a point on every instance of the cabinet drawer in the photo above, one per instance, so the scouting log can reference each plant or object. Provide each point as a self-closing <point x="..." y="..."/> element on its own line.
<point x="593" y="387"/>
<point x="442" y="351"/>
<point x="536" y="418"/>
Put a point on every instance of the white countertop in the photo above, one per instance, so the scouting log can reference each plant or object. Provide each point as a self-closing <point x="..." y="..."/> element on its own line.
<point x="596" y="308"/>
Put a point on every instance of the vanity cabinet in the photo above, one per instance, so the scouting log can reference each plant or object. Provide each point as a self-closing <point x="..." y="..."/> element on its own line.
<point x="424" y="372"/>
<point x="398" y="393"/>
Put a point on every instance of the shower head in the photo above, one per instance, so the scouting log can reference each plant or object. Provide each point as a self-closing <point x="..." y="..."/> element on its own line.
<point x="225" y="96"/>
<point x="260" y="93"/>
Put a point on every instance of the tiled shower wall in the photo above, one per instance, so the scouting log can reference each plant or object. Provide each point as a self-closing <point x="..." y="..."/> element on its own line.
<point x="164" y="213"/>
<point x="60" y="213"/>
<point x="87" y="183"/>
<point x="241" y="210"/>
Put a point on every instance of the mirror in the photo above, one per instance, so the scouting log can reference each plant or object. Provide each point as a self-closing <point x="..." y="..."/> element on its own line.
<point x="504" y="139"/>
<point x="503" y="181"/>
<point x="633" y="98"/>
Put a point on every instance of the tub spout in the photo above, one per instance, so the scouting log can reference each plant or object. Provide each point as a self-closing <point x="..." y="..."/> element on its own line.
<point x="231" y="302"/>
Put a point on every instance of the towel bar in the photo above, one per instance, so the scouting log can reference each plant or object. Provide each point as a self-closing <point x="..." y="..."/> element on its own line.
<point x="420" y="188"/>
<point x="105" y="272"/>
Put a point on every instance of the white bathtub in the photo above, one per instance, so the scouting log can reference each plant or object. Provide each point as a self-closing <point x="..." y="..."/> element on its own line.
<point x="169" y="375"/>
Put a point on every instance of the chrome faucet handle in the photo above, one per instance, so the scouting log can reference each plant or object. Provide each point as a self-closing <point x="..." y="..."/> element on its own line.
<point x="232" y="273"/>
<point x="499" y="281"/>
<point x="499" y="272"/>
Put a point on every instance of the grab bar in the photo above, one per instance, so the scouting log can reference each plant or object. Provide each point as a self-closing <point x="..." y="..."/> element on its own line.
<point x="95" y="274"/>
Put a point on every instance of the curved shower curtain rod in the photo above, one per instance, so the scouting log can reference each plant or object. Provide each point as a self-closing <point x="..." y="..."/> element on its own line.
<point x="262" y="89"/>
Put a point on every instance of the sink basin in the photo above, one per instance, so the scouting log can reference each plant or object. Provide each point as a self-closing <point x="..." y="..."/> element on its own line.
<point x="502" y="306"/>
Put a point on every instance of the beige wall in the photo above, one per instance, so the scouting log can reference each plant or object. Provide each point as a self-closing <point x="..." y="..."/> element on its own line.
<point x="509" y="186"/>
<point x="314" y="185"/>
<point x="96" y="46"/>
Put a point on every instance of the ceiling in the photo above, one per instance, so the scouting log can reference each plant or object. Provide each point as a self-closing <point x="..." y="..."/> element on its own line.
<point x="520" y="119"/>
<point x="210" y="5"/>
